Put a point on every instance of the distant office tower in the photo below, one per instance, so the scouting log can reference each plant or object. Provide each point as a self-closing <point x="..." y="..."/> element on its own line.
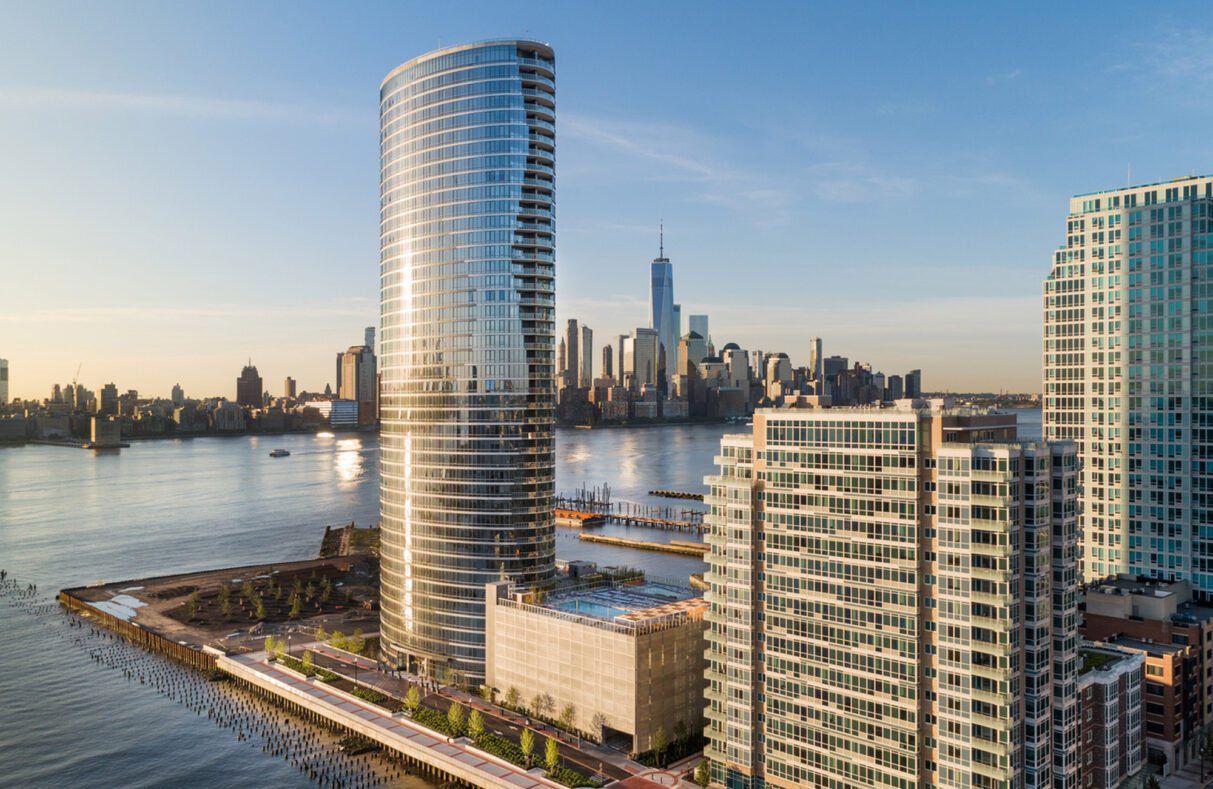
<point x="677" y="333"/>
<point x="816" y="367"/>
<point x="289" y="388"/>
<point x="645" y="350"/>
<point x="369" y="338"/>
<point x="585" y="354"/>
<point x="467" y="460"/>
<point x="620" y="367"/>
<point x="735" y="363"/>
<point x="248" y="387"/>
<point x="1126" y="375"/>
<point x="572" y="358"/>
<point x="661" y="314"/>
<point x="695" y="347"/>
<point x="758" y="365"/>
<point x="890" y="605"/>
<point x="913" y="383"/>
<point x="178" y="395"/>
<point x="3" y="381"/>
<point x="69" y="396"/>
<point x="561" y="362"/>
<point x="56" y="394"/>
<point x="108" y="404"/>
<point x="893" y="388"/>
<point x="607" y="368"/>
<point x="699" y="325"/>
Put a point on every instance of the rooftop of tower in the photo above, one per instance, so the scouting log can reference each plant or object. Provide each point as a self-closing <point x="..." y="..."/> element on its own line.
<point x="543" y="49"/>
<point x="1177" y="180"/>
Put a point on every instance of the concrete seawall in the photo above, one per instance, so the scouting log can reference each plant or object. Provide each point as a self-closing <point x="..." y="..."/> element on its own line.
<point x="675" y="546"/>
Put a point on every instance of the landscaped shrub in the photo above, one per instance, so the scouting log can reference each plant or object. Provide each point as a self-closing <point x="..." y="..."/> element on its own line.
<point x="371" y="695"/>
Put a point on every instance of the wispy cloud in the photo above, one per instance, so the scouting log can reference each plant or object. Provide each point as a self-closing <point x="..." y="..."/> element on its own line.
<point x="200" y="107"/>
<point x="1004" y="77"/>
<point x="1180" y="54"/>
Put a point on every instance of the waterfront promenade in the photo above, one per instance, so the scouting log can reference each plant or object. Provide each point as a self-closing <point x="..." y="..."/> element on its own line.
<point x="456" y="758"/>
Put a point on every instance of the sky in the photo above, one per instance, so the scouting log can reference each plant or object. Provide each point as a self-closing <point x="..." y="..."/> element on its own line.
<point x="185" y="186"/>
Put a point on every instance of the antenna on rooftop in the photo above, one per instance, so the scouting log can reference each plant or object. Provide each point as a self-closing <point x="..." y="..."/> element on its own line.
<point x="661" y="239"/>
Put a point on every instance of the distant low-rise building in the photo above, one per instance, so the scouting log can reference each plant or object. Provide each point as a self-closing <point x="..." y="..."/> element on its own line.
<point x="339" y="413"/>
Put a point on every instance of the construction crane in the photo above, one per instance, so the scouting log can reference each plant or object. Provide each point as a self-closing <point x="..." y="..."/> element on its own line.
<point x="76" y="377"/>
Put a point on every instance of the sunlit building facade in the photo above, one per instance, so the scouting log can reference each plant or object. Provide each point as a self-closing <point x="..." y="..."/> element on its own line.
<point x="893" y="603"/>
<point x="1128" y="346"/>
<point x="467" y="344"/>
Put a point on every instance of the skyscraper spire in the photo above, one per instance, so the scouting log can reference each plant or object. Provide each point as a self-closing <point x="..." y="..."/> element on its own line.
<point x="661" y="240"/>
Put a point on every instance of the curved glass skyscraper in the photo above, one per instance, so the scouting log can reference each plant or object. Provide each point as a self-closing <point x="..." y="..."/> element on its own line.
<point x="467" y="146"/>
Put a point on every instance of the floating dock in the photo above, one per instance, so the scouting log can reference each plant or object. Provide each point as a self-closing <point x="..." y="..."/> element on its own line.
<point x="674" y="546"/>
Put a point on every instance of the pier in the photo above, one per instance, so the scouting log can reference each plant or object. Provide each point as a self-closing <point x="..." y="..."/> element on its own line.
<point x="632" y="514"/>
<point x="677" y="494"/>
<point x="675" y="546"/>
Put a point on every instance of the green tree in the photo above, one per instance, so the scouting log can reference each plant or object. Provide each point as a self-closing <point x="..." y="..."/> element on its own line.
<point x="551" y="754"/>
<point x="660" y="744"/>
<point x="248" y="591"/>
<point x="487" y="693"/>
<point x="542" y="704"/>
<point x="598" y="725"/>
<point x="191" y="604"/>
<point x="568" y="715"/>
<point x="296" y="607"/>
<point x="225" y="594"/>
<point x="680" y="731"/>
<point x="526" y="741"/>
<point x="321" y="636"/>
<point x="225" y="608"/>
<point x="356" y="642"/>
<point x="278" y="593"/>
<point x="310" y="591"/>
<point x="324" y="594"/>
<point x="412" y="699"/>
<point x="260" y="612"/>
<point x="703" y="773"/>
<point x="476" y="724"/>
<point x="308" y="664"/>
<point x="298" y="587"/>
<point x="269" y="644"/>
<point x="338" y="639"/>
<point x="280" y="650"/>
<point x="448" y="675"/>
<point x="512" y="697"/>
<point x="454" y="716"/>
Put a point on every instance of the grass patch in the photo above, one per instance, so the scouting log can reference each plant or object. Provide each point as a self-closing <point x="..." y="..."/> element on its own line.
<point x="371" y="695"/>
<point x="1093" y="660"/>
<point x="295" y="664"/>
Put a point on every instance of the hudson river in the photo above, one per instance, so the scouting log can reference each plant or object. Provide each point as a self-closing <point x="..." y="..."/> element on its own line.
<point x="70" y="518"/>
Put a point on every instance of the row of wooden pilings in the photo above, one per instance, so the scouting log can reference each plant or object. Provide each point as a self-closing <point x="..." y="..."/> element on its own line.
<point x="205" y="661"/>
<point x="415" y="766"/>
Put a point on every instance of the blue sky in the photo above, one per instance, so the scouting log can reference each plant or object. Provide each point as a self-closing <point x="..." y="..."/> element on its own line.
<point x="184" y="185"/>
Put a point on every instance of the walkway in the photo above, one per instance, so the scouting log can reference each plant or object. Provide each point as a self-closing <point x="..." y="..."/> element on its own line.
<point x="396" y="733"/>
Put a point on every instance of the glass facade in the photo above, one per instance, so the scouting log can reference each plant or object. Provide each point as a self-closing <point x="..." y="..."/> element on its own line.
<point x="467" y="243"/>
<point x="1128" y="342"/>
<point x="661" y="309"/>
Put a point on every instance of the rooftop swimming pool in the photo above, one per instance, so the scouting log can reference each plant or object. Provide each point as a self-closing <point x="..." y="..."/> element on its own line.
<point x="590" y="608"/>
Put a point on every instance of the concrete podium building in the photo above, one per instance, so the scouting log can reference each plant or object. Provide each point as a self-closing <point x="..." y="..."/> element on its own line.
<point x="467" y="262"/>
<point x="629" y="658"/>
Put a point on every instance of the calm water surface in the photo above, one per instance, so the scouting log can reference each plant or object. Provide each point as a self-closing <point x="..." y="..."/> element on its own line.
<point x="69" y="517"/>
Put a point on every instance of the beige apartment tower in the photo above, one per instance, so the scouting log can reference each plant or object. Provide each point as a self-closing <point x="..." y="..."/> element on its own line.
<point x="883" y="605"/>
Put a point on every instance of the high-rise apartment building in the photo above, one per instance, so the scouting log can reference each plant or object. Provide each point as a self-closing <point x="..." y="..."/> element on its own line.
<point x="369" y="338"/>
<point x="357" y="375"/>
<point x="608" y="368"/>
<point x="893" y="603"/>
<point x="248" y="387"/>
<point x="1127" y="338"/>
<point x="3" y="381"/>
<point x="468" y="338"/>
<point x="289" y="388"/>
<point x="661" y="316"/>
<point x="178" y="395"/>
<point x="913" y="383"/>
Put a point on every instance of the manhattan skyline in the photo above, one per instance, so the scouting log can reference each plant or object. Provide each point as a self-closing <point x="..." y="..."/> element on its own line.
<point x="894" y="192"/>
